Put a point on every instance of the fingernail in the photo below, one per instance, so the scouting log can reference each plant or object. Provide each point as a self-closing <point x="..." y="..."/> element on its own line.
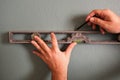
<point x="32" y="41"/>
<point x="35" y="37"/>
<point x="33" y="52"/>
<point x="52" y="33"/>
<point x="74" y="42"/>
<point x="91" y="19"/>
<point x="103" y="33"/>
<point x="89" y="24"/>
<point x="87" y="18"/>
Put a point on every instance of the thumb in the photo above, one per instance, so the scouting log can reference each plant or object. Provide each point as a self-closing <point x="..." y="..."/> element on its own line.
<point x="99" y="22"/>
<point x="70" y="48"/>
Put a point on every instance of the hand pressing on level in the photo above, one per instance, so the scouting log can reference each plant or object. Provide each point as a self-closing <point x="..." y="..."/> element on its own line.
<point x="56" y="60"/>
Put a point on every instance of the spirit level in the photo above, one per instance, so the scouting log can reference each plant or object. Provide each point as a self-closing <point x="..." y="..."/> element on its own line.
<point x="69" y="36"/>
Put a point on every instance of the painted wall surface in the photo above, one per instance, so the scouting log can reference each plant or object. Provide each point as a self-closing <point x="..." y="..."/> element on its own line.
<point x="88" y="62"/>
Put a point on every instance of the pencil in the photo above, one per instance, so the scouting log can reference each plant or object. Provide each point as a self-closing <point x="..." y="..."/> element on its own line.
<point x="81" y="25"/>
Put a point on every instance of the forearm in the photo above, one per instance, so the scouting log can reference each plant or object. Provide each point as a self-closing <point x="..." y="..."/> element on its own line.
<point x="60" y="75"/>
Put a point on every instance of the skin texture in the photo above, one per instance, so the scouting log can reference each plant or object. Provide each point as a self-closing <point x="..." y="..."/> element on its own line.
<point x="56" y="60"/>
<point x="106" y="19"/>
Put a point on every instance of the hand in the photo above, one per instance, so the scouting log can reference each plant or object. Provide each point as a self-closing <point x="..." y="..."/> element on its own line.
<point x="56" y="60"/>
<point x="106" y="19"/>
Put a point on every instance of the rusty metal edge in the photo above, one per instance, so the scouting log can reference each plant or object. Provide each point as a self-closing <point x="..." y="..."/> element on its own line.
<point x="11" y="33"/>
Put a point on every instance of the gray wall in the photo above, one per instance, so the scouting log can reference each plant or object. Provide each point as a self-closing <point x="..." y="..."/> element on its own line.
<point x="88" y="62"/>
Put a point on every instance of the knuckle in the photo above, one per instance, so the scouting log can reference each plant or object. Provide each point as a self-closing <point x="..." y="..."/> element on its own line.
<point x="94" y="10"/>
<point x="96" y="20"/>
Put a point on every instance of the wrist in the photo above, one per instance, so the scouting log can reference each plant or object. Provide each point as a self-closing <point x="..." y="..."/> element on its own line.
<point x="59" y="75"/>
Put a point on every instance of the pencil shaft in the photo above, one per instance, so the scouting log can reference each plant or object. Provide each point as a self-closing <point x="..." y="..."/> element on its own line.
<point x="82" y="25"/>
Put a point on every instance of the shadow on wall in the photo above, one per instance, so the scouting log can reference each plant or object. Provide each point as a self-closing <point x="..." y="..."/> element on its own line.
<point x="77" y="20"/>
<point x="112" y="74"/>
<point x="41" y="71"/>
<point x="5" y="38"/>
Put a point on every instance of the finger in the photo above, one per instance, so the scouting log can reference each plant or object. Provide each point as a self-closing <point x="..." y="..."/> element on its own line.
<point x="93" y="26"/>
<point x="100" y="22"/>
<point x="54" y="42"/>
<point x="37" y="46"/>
<point x="102" y="31"/>
<point x="69" y="49"/>
<point x="39" y="55"/>
<point x="89" y="23"/>
<point x="87" y="18"/>
<point x="42" y="44"/>
<point x="93" y="13"/>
